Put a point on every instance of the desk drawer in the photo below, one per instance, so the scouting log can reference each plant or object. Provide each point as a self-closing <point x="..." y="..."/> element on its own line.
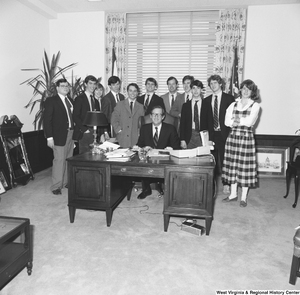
<point x="138" y="171"/>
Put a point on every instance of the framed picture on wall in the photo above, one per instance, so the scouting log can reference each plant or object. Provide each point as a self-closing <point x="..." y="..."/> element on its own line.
<point x="4" y="181"/>
<point x="2" y="189"/>
<point x="271" y="161"/>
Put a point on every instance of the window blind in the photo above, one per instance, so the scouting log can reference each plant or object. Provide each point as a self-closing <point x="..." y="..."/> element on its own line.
<point x="165" y="44"/>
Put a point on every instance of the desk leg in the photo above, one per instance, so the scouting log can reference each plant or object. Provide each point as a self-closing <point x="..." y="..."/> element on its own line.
<point x="108" y="216"/>
<point x="29" y="267"/>
<point x="208" y="225"/>
<point x="166" y="222"/>
<point x="72" y="211"/>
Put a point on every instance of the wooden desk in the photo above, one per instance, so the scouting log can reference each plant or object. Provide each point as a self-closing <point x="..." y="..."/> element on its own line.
<point x="98" y="184"/>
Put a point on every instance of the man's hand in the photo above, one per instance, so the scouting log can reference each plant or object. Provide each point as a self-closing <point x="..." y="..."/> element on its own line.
<point x="50" y="143"/>
<point x="183" y="145"/>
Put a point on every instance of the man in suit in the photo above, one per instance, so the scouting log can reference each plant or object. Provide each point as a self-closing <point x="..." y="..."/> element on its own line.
<point x="150" y="99"/>
<point x="58" y="129"/>
<point x="191" y="113"/>
<point x="213" y="119"/>
<point x="84" y="103"/>
<point x="183" y="97"/>
<point x="157" y="135"/>
<point x="170" y="97"/>
<point x="125" y="118"/>
<point x="110" y="100"/>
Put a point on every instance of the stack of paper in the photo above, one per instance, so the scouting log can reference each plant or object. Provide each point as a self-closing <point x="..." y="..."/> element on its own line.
<point x="120" y="155"/>
<point x="190" y="153"/>
<point x="159" y="154"/>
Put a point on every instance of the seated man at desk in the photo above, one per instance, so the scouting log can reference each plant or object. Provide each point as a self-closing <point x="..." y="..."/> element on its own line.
<point x="158" y="135"/>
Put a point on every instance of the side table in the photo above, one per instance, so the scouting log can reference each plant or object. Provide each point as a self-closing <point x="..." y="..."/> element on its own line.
<point x="15" y="248"/>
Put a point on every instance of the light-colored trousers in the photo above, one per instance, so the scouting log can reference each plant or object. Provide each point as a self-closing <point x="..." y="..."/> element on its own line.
<point x="59" y="167"/>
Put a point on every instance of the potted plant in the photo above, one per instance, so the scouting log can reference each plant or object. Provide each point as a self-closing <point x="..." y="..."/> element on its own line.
<point x="44" y="85"/>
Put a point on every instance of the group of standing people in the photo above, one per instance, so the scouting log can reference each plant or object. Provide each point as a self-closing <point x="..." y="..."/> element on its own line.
<point x="229" y="122"/>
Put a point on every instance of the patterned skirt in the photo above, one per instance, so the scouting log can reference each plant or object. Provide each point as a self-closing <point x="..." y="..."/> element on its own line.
<point x="240" y="159"/>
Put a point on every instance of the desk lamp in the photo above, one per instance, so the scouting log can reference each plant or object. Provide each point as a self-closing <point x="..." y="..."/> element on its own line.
<point x="95" y="119"/>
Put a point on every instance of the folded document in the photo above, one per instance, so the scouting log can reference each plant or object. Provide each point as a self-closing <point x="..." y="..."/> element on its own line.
<point x="190" y="153"/>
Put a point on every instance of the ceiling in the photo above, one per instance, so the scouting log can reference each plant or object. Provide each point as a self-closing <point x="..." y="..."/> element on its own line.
<point x="50" y="8"/>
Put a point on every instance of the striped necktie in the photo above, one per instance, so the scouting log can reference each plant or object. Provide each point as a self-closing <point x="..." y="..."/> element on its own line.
<point x="155" y="138"/>
<point x="216" y="113"/>
<point x="69" y="108"/>
<point x="147" y="102"/>
<point x="196" y="116"/>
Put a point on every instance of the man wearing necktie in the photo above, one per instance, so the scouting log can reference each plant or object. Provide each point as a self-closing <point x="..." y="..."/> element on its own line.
<point x="182" y="98"/>
<point x="84" y="103"/>
<point x="191" y="114"/>
<point x="213" y="120"/>
<point x="150" y="99"/>
<point x="125" y="118"/>
<point x="110" y="100"/>
<point x="157" y="135"/>
<point x="58" y="128"/>
<point x="170" y="97"/>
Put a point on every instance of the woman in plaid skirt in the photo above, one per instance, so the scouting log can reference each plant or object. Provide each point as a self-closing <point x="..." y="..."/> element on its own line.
<point x="239" y="165"/>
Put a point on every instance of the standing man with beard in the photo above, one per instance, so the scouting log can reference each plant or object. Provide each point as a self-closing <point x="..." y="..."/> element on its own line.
<point x="213" y="120"/>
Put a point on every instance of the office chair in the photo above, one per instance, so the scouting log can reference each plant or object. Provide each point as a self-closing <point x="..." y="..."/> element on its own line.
<point x="293" y="169"/>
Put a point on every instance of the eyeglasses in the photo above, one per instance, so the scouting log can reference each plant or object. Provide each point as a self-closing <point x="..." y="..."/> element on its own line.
<point x="156" y="115"/>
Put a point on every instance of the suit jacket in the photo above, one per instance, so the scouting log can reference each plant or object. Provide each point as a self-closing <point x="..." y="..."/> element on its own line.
<point x="108" y="104"/>
<point x="155" y="101"/>
<point x="123" y="119"/>
<point x="166" y="100"/>
<point x="207" y="119"/>
<point x="186" y="121"/>
<point x="81" y="107"/>
<point x="168" y="137"/>
<point x="177" y="106"/>
<point x="55" y="122"/>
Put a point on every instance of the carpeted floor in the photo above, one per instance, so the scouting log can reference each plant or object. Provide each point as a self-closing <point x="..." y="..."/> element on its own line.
<point x="248" y="248"/>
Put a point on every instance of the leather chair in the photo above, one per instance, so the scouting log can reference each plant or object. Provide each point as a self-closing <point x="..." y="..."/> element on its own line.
<point x="293" y="169"/>
<point x="296" y="259"/>
<point x="168" y="119"/>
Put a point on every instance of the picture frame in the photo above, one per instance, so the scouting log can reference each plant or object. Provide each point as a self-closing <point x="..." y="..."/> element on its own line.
<point x="271" y="161"/>
<point x="2" y="189"/>
<point x="3" y="180"/>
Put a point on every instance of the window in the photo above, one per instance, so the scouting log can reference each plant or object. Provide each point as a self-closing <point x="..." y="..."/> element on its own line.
<point x="161" y="45"/>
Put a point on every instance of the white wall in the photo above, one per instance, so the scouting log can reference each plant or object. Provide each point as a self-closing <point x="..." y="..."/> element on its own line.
<point x="80" y="39"/>
<point x="24" y="34"/>
<point x="272" y="57"/>
<point x="272" y="61"/>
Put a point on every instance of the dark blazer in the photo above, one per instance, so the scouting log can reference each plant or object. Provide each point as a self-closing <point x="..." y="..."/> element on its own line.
<point x="186" y="121"/>
<point x="81" y="107"/>
<point x="108" y="104"/>
<point x="155" y="101"/>
<point x="55" y="122"/>
<point x="207" y="119"/>
<point x="168" y="137"/>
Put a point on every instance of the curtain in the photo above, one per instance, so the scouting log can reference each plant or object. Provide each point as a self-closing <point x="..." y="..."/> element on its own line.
<point x="230" y="34"/>
<point x="115" y="30"/>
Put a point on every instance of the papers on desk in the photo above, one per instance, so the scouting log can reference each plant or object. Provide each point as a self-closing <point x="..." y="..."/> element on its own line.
<point x="159" y="154"/>
<point x="190" y="153"/>
<point x="120" y="155"/>
<point x="108" y="145"/>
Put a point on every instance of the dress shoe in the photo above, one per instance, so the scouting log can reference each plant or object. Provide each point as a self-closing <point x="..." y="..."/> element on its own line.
<point x="56" y="191"/>
<point x="243" y="204"/>
<point x="144" y="194"/>
<point x="226" y="189"/>
<point x="66" y="186"/>
<point x="227" y="200"/>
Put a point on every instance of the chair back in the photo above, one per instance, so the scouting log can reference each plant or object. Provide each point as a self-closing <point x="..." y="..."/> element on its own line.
<point x="168" y="119"/>
<point x="295" y="151"/>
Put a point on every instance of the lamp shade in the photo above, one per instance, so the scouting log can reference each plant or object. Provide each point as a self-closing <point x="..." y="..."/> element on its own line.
<point x="95" y="119"/>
